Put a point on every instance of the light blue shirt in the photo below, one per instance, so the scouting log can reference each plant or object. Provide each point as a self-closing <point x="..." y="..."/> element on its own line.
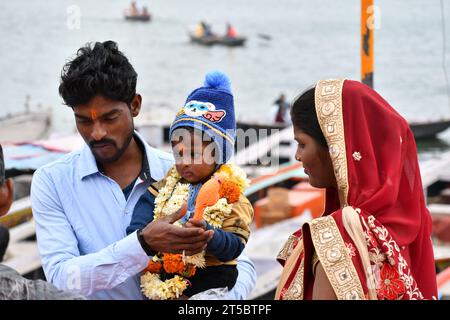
<point x="81" y="216"/>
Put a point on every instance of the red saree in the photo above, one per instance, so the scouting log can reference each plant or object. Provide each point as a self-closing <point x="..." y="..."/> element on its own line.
<point x="373" y="239"/>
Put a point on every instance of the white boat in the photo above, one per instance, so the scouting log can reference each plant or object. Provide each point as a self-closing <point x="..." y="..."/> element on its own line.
<point x="25" y="127"/>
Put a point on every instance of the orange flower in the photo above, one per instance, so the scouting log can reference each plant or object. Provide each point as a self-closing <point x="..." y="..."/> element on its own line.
<point x="173" y="263"/>
<point x="154" y="267"/>
<point x="189" y="271"/>
<point x="230" y="190"/>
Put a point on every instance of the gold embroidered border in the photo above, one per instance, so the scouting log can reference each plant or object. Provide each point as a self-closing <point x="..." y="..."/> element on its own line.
<point x="328" y="101"/>
<point x="285" y="252"/>
<point x="332" y="253"/>
<point x="295" y="290"/>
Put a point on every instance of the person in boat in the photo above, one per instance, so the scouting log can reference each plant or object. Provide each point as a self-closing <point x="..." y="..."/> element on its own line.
<point x="133" y="10"/>
<point x="231" y="31"/>
<point x="203" y="29"/>
<point x="145" y="12"/>
<point x="207" y="30"/>
<point x="373" y="240"/>
<point x="201" y="163"/>
<point x="200" y="29"/>
<point x="282" y="109"/>
<point x="83" y="202"/>
<point x="12" y="285"/>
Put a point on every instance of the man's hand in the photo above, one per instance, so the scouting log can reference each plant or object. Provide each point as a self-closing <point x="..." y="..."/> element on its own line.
<point x="196" y="224"/>
<point x="161" y="235"/>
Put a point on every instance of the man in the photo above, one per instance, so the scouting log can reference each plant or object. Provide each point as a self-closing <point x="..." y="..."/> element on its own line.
<point x="12" y="284"/>
<point x="83" y="203"/>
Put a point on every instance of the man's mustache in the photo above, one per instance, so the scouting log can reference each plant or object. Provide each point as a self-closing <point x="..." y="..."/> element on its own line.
<point x="94" y="144"/>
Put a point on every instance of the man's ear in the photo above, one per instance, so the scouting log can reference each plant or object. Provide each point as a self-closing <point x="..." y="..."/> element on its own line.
<point x="6" y="196"/>
<point x="136" y="105"/>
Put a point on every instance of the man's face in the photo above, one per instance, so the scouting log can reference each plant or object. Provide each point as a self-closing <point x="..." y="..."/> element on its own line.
<point x="107" y="126"/>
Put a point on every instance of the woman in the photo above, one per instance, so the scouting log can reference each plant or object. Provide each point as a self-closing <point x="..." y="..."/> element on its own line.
<point x="373" y="239"/>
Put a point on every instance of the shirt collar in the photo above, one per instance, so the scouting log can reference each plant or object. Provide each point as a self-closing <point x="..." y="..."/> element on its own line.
<point x="152" y="169"/>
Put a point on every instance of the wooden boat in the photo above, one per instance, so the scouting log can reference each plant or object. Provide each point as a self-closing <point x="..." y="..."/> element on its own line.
<point x="28" y="126"/>
<point x="428" y="129"/>
<point x="143" y="16"/>
<point x="219" y="40"/>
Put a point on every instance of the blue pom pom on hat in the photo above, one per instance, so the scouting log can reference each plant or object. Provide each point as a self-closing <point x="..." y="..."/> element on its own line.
<point x="210" y="109"/>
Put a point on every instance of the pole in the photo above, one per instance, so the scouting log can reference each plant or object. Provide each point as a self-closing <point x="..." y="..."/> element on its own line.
<point x="367" y="36"/>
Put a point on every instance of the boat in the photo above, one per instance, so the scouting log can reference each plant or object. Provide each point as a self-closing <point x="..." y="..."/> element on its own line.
<point x="428" y="129"/>
<point x="27" y="126"/>
<point x="219" y="40"/>
<point x="144" y="17"/>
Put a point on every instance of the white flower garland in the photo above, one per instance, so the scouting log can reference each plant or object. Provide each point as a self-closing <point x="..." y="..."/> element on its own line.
<point x="155" y="289"/>
<point x="216" y="214"/>
<point x="174" y="191"/>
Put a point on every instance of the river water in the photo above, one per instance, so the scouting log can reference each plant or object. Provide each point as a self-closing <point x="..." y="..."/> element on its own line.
<point x="291" y="44"/>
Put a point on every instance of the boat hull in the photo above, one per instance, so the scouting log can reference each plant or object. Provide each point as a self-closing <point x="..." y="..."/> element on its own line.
<point x="215" y="40"/>
<point x="138" y="18"/>
<point x="426" y="130"/>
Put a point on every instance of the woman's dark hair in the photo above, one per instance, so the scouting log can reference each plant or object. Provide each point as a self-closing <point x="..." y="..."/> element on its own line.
<point x="101" y="69"/>
<point x="304" y="117"/>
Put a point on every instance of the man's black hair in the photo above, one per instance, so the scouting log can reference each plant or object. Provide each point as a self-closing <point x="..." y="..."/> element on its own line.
<point x="100" y="69"/>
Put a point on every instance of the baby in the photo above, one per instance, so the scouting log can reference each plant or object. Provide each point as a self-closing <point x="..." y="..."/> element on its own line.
<point x="202" y="137"/>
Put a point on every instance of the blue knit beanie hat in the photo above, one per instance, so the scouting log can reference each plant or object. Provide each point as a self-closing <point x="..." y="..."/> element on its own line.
<point x="210" y="109"/>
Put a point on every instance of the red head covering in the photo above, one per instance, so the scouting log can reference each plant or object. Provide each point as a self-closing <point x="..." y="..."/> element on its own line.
<point x="376" y="225"/>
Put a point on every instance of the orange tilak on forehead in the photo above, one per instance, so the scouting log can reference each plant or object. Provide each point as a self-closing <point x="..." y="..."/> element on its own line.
<point x="94" y="114"/>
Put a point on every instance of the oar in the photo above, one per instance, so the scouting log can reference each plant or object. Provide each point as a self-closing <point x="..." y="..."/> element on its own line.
<point x="264" y="36"/>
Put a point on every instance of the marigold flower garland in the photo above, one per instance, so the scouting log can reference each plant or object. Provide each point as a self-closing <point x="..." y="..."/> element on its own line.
<point x="156" y="282"/>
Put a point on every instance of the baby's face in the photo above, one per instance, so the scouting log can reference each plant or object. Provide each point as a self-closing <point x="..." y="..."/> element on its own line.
<point x="194" y="158"/>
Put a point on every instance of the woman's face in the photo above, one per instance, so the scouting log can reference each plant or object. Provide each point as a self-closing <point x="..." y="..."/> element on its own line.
<point x="316" y="160"/>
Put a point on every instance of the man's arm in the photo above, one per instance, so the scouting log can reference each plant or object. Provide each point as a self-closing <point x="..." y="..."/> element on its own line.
<point x="58" y="246"/>
<point x="68" y="270"/>
<point x="246" y="279"/>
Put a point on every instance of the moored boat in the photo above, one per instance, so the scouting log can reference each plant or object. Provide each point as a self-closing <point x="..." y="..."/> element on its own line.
<point x="428" y="129"/>
<point x="28" y="126"/>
